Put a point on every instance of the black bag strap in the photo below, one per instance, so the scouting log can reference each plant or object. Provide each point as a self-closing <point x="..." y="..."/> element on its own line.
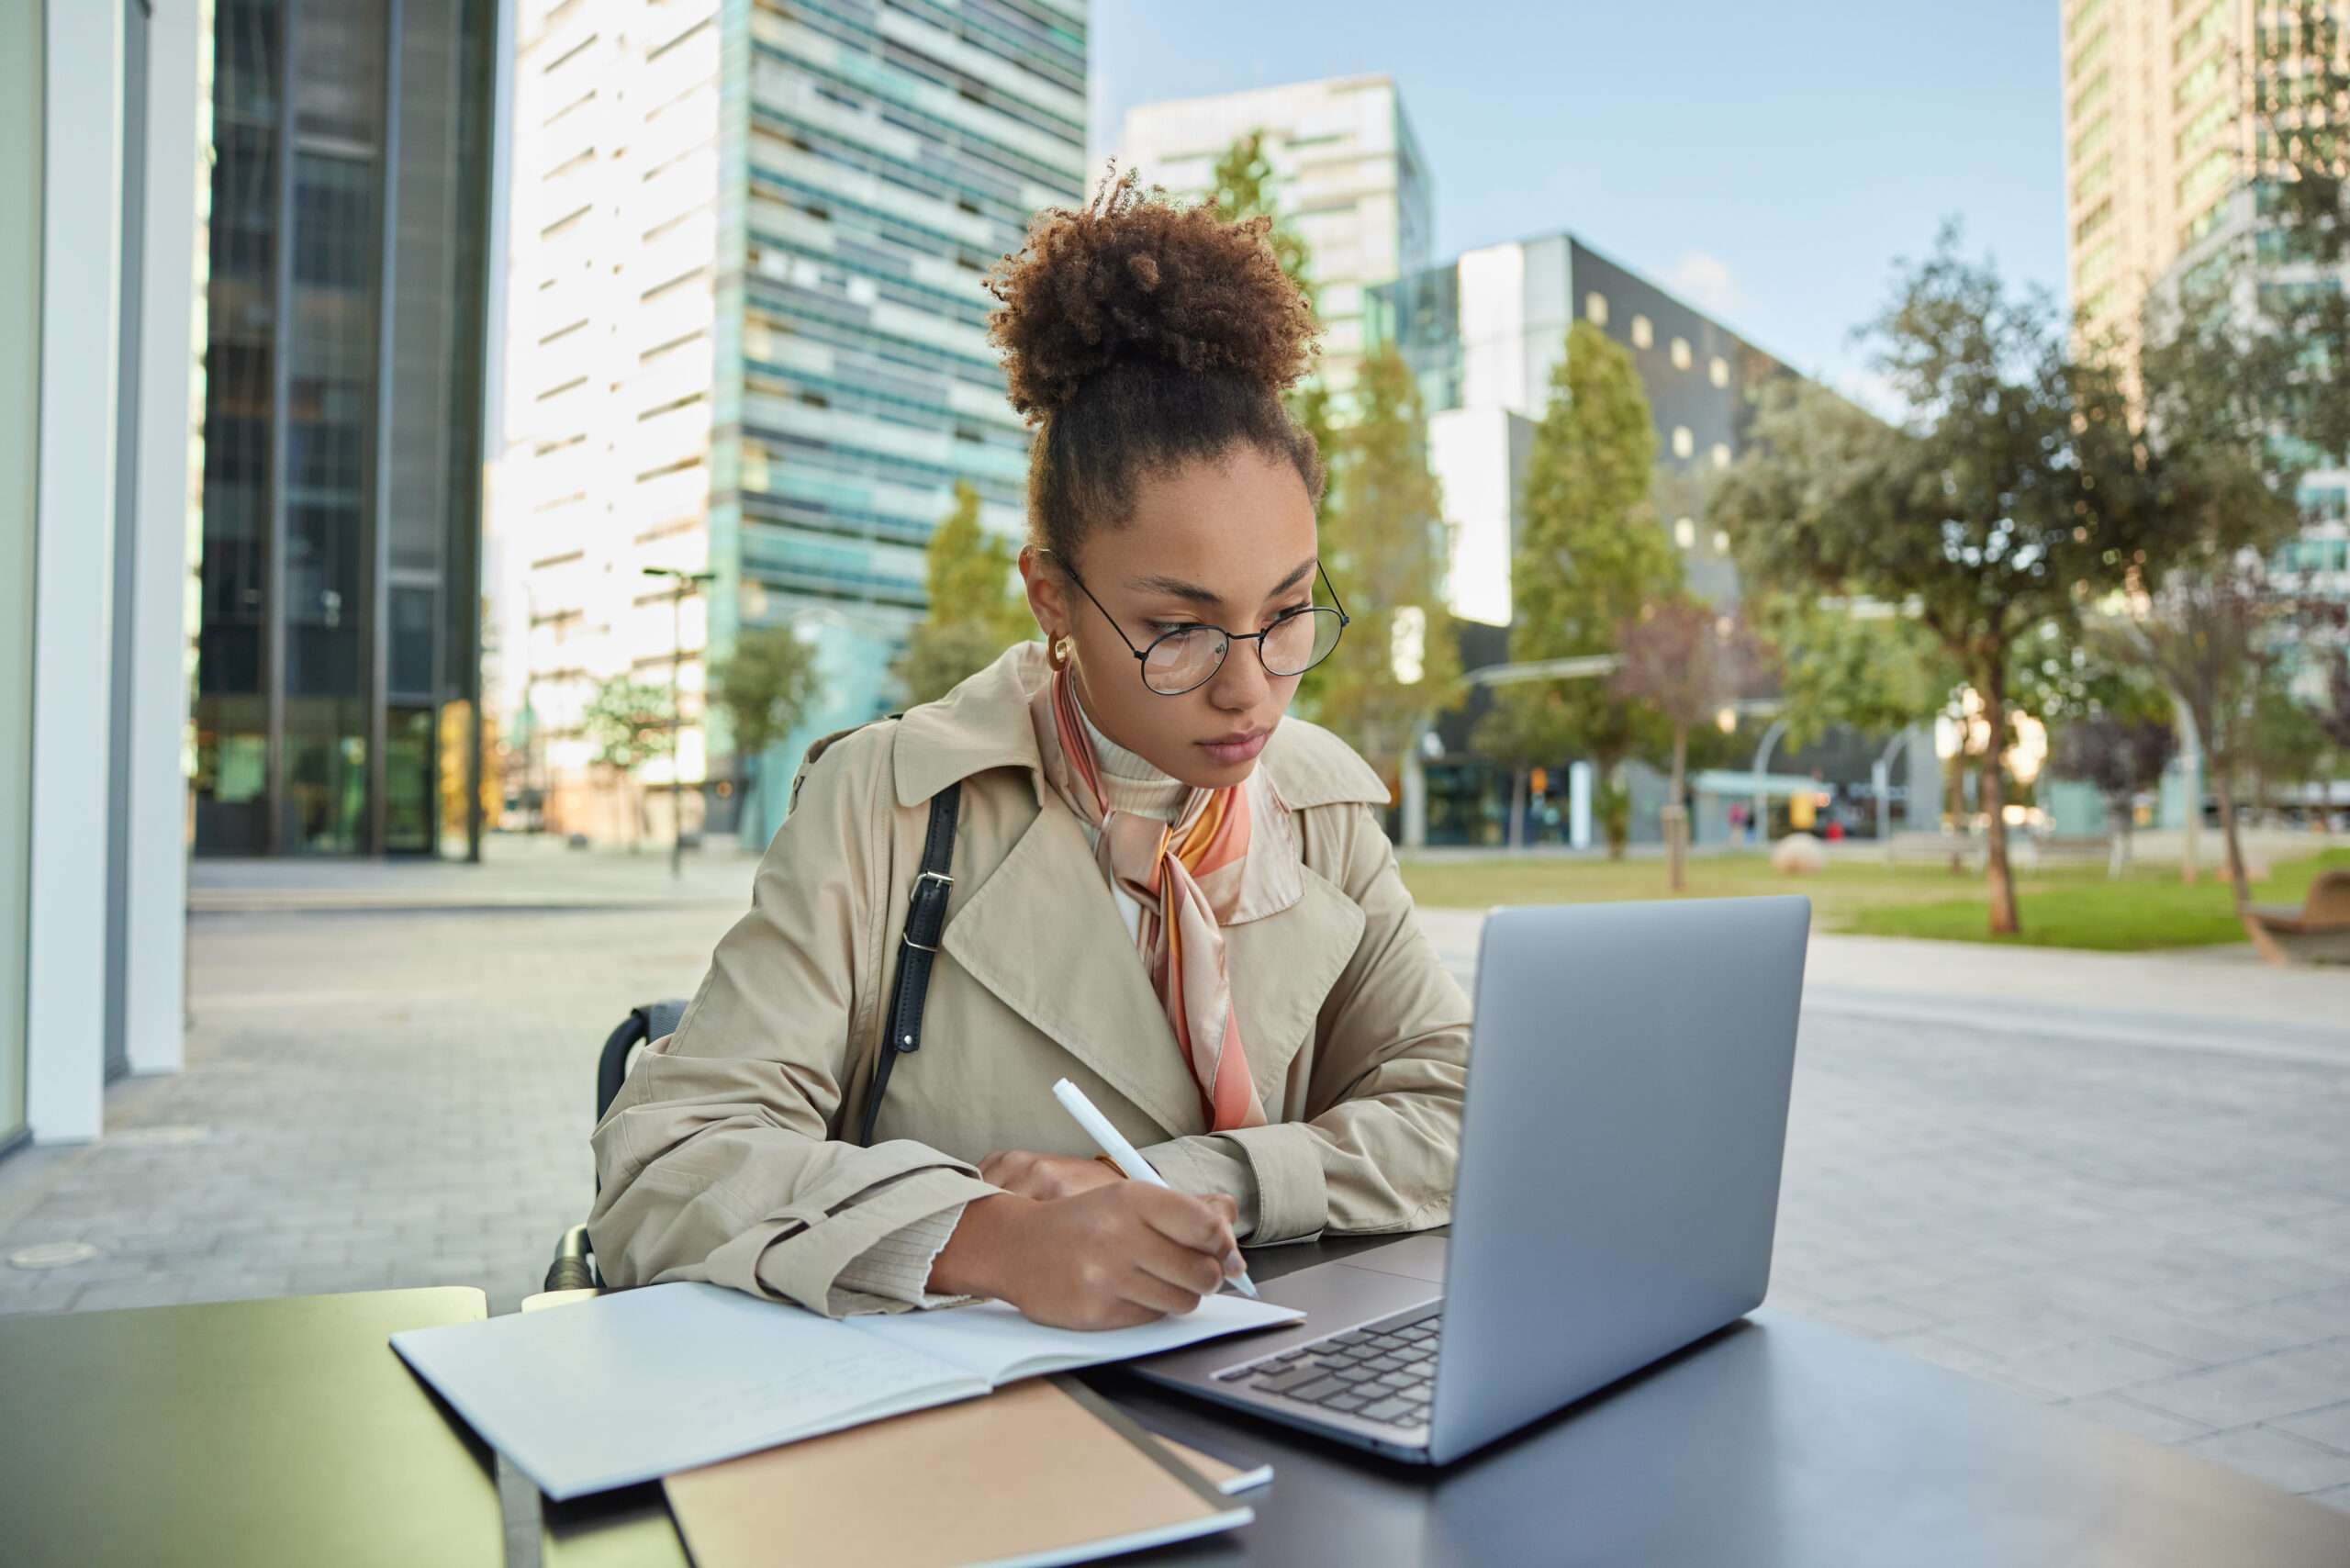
<point x="925" y="920"/>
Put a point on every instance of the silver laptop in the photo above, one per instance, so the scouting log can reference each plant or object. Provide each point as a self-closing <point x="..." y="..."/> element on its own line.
<point x="1619" y="1183"/>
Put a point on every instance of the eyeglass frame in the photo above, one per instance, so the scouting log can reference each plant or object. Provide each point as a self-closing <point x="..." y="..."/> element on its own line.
<point x="1142" y="654"/>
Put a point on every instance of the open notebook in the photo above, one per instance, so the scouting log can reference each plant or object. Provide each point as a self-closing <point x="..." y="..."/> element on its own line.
<point x="647" y="1382"/>
<point x="1046" y="1473"/>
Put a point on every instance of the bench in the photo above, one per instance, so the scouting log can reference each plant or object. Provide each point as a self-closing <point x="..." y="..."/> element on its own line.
<point x="2318" y="932"/>
<point x="1956" y="850"/>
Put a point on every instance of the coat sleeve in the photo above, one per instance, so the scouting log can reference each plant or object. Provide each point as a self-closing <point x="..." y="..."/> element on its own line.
<point x="1381" y="1133"/>
<point x="716" y="1158"/>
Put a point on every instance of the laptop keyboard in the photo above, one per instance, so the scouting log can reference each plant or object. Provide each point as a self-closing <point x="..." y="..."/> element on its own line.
<point x="1384" y="1373"/>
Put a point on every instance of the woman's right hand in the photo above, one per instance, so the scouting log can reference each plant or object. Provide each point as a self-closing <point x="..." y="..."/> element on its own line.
<point x="1117" y="1255"/>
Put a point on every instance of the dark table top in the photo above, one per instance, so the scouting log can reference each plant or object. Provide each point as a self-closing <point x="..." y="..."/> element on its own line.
<point x="1774" y="1442"/>
<point x="250" y="1432"/>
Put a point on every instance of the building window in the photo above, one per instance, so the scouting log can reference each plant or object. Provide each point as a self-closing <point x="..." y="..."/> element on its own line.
<point x="1719" y="371"/>
<point x="1595" y="309"/>
<point x="1685" y="534"/>
<point x="1679" y="354"/>
<point x="1721" y="454"/>
<point x="1643" y="335"/>
<point x="1683" y="444"/>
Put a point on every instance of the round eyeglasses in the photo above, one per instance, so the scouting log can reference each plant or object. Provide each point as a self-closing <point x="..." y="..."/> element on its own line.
<point x="1188" y="658"/>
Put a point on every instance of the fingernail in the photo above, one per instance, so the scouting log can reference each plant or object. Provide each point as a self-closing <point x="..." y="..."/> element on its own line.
<point x="1233" y="1269"/>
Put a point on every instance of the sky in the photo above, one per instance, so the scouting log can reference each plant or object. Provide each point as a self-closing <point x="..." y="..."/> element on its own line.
<point x="1769" y="161"/>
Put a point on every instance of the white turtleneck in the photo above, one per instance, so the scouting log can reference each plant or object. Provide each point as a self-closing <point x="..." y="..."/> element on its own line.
<point x="1133" y="784"/>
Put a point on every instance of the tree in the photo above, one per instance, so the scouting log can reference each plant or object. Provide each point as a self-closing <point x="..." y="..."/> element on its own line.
<point x="2122" y="755"/>
<point x="1983" y="508"/>
<point x="765" y="687"/>
<point x="630" y="723"/>
<point x="975" y="612"/>
<point x="2209" y="634"/>
<point x="1590" y="556"/>
<point x="1244" y="188"/>
<point x="1686" y="662"/>
<point x="1874" y="674"/>
<point x="1383" y="541"/>
<point x="2284" y="742"/>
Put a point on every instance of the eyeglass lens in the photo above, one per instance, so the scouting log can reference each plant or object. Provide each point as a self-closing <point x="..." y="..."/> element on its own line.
<point x="1293" y="645"/>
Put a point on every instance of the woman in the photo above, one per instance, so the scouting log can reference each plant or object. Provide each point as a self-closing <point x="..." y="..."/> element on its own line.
<point x="1162" y="889"/>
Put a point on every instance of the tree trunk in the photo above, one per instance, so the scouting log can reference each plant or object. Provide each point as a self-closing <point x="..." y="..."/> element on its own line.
<point x="1996" y="874"/>
<point x="2116" y="828"/>
<point x="1518" y="807"/>
<point x="1676" y="815"/>
<point x="2240" y="884"/>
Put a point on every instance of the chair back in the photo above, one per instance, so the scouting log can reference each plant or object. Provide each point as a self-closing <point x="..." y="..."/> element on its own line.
<point x="2329" y="900"/>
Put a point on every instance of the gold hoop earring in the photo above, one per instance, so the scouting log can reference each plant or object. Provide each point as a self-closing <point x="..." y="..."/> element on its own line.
<point x="1057" y="655"/>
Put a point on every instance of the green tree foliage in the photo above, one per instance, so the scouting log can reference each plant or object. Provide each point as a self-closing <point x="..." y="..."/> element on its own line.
<point x="1385" y="545"/>
<point x="1244" y="188"/>
<point x="1876" y="674"/>
<point x="629" y="723"/>
<point x="2285" y="743"/>
<point x="763" y="687"/>
<point x="975" y="612"/>
<point x="1590" y="556"/>
<point x="1984" y="507"/>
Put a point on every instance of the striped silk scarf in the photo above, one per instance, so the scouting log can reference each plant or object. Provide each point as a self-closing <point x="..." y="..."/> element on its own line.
<point x="1186" y="876"/>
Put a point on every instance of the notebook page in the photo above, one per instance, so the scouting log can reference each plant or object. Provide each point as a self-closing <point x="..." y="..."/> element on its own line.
<point x="993" y="1340"/>
<point x="643" y="1383"/>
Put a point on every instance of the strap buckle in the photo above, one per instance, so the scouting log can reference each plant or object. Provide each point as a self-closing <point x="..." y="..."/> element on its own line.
<point x="934" y="877"/>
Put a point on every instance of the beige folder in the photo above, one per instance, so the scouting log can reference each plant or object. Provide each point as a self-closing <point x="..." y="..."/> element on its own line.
<point x="1043" y="1472"/>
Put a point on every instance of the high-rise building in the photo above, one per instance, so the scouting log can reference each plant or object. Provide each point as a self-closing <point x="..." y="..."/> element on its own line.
<point x="337" y="661"/>
<point x="2166" y="202"/>
<point x="747" y="340"/>
<point x="99" y="226"/>
<point x="2153" y="140"/>
<point x="1349" y="178"/>
<point x="1483" y="335"/>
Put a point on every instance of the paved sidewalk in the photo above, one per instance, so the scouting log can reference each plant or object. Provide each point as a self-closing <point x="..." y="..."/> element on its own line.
<point x="2118" y="1185"/>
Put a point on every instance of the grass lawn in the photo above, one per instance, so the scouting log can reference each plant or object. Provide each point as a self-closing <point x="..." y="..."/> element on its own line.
<point x="2070" y="907"/>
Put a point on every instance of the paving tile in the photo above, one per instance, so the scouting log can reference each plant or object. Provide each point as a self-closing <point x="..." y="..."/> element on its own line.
<point x="2290" y="1383"/>
<point x="2277" y="1457"/>
<point x="2091" y="1366"/>
<point x="2330" y="1426"/>
<point x="2118" y="1410"/>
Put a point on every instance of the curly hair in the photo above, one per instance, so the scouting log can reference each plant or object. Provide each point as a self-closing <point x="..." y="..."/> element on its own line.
<point x="1139" y="334"/>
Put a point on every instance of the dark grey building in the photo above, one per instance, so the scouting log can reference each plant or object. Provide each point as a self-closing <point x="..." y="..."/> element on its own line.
<point x="342" y="420"/>
<point x="1484" y="334"/>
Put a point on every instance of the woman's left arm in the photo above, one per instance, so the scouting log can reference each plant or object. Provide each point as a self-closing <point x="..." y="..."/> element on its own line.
<point x="1383" y="1129"/>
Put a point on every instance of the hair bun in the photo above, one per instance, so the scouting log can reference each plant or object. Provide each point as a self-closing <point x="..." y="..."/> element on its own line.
<point x="1133" y="275"/>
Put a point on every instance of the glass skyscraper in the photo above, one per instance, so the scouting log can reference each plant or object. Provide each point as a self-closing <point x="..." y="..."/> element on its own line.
<point x="747" y="337"/>
<point x="342" y="420"/>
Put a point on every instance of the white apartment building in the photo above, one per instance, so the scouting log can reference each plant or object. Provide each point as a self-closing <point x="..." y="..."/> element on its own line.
<point x="1348" y="177"/>
<point x="746" y="338"/>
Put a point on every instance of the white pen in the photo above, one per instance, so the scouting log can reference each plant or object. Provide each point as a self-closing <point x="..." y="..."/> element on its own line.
<point x="1122" y="1153"/>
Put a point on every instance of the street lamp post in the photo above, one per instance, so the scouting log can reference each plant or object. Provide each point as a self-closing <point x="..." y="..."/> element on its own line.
<point x="1761" y="789"/>
<point x="685" y="582"/>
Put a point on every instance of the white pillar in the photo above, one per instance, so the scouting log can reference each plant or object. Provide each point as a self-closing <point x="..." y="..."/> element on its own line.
<point x="154" y="1007"/>
<point x="73" y="576"/>
<point x="1579" y="804"/>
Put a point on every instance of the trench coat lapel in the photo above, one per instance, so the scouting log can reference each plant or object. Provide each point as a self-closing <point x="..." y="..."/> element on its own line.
<point x="1282" y="966"/>
<point x="1043" y="933"/>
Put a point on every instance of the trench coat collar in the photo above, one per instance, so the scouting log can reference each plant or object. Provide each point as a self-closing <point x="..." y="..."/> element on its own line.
<point x="984" y="724"/>
<point x="1093" y="998"/>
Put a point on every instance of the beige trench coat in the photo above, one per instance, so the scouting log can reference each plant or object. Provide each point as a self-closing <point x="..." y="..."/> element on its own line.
<point x="722" y="1158"/>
